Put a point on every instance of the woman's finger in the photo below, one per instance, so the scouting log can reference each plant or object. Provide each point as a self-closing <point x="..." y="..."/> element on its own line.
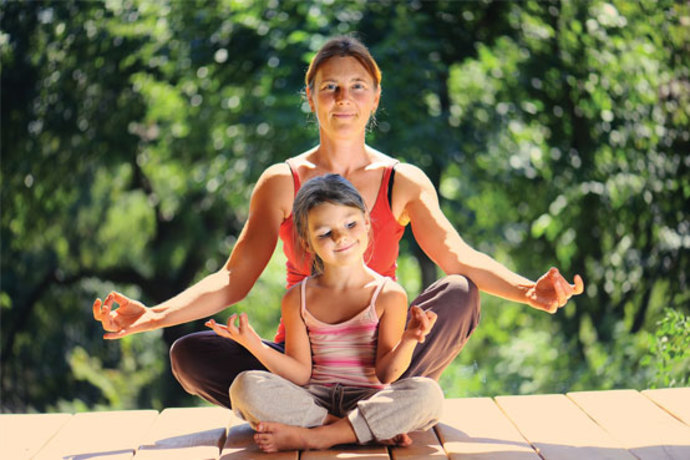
<point x="97" y="309"/>
<point x="561" y="297"/>
<point x="579" y="285"/>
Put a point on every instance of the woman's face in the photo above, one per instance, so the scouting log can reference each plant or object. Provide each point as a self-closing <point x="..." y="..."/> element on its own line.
<point x="343" y="97"/>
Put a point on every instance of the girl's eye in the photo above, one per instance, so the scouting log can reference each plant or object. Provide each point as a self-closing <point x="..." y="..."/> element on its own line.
<point x="324" y="235"/>
<point x="351" y="225"/>
<point x="330" y="87"/>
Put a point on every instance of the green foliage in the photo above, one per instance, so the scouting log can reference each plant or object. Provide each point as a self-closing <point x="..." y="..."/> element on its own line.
<point x="133" y="133"/>
<point x="671" y="350"/>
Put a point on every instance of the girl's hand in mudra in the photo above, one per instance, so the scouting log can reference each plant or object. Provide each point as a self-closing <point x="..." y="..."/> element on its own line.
<point x="239" y="331"/>
<point x="552" y="291"/>
<point x="420" y="323"/>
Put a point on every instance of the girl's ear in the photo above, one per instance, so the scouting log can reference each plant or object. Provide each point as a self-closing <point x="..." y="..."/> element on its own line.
<point x="306" y="246"/>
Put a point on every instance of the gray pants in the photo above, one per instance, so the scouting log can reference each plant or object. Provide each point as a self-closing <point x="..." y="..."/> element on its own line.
<point x="406" y="405"/>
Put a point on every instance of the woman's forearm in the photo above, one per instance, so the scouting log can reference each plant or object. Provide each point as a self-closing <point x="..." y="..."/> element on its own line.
<point x="494" y="278"/>
<point x="203" y="299"/>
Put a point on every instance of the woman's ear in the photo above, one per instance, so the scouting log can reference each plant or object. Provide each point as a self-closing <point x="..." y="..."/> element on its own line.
<point x="310" y="98"/>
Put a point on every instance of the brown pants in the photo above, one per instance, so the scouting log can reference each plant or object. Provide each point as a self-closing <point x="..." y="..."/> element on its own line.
<point x="206" y="364"/>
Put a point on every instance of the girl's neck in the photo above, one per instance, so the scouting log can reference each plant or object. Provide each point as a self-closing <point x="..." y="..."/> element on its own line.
<point x="346" y="277"/>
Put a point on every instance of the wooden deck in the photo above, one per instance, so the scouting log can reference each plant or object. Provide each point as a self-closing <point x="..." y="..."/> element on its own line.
<point x="620" y="424"/>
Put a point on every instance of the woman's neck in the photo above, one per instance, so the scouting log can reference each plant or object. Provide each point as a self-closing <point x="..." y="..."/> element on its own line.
<point x="342" y="156"/>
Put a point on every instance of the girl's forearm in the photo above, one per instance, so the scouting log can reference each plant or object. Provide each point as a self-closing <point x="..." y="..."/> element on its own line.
<point x="394" y="363"/>
<point x="281" y="364"/>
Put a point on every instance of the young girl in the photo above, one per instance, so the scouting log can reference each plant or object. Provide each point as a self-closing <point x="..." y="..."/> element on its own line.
<point x="346" y="341"/>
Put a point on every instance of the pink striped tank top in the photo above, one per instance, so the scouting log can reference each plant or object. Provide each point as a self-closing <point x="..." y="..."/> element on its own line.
<point x="344" y="353"/>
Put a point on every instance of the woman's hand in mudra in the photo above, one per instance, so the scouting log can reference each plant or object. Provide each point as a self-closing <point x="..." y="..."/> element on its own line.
<point x="130" y="317"/>
<point x="552" y="291"/>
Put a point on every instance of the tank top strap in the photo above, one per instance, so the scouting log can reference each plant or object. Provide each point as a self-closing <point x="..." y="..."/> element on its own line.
<point x="378" y="290"/>
<point x="385" y="187"/>
<point x="303" y="297"/>
<point x="295" y="176"/>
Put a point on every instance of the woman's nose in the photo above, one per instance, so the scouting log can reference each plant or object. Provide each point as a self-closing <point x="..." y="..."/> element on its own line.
<point x="341" y="95"/>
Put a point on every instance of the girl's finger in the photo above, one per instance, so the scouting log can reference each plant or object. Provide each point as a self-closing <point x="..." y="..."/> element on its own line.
<point x="244" y="321"/>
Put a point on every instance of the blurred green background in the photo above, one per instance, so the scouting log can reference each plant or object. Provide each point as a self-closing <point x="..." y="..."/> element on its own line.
<point x="133" y="131"/>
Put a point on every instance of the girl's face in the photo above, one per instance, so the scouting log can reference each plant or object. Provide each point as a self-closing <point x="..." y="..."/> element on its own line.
<point x="338" y="234"/>
<point x="343" y="97"/>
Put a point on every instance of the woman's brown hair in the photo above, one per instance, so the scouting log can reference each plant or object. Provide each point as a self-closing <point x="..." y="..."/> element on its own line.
<point x="343" y="46"/>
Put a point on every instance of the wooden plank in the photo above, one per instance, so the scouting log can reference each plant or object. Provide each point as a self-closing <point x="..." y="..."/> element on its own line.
<point x="559" y="429"/>
<point x="109" y="435"/>
<point x="186" y="433"/>
<point x="476" y="429"/>
<point x="425" y="444"/>
<point x="23" y="435"/>
<point x="675" y="401"/>
<point x="240" y="445"/>
<point x="350" y="451"/>
<point x="648" y="431"/>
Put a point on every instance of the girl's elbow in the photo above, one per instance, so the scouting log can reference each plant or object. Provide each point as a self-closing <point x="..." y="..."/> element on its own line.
<point x="386" y="376"/>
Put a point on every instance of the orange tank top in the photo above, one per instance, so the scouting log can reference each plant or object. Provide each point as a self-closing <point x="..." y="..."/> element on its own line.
<point x="380" y="257"/>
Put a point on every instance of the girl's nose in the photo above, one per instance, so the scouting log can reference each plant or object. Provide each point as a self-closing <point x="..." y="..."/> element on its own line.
<point x="338" y="236"/>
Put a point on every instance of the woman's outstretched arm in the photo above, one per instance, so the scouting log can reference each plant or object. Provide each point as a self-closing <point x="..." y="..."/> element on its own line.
<point x="442" y="243"/>
<point x="270" y="204"/>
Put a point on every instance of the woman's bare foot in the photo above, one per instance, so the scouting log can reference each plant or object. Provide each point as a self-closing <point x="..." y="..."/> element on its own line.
<point x="401" y="440"/>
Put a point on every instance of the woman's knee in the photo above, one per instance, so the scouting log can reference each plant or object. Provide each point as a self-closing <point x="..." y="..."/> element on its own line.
<point x="181" y="354"/>
<point x="459" y="294"/>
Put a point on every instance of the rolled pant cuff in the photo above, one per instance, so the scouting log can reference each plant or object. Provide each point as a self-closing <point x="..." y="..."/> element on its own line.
<point x="360" y="427"/>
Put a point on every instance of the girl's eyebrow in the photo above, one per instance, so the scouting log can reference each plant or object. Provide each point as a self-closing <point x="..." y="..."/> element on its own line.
<point x="319" y="226"/>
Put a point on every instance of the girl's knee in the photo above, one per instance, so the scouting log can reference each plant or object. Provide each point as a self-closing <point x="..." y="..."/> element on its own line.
<point x="243" y="388"/>
<point x="429" y="399"/>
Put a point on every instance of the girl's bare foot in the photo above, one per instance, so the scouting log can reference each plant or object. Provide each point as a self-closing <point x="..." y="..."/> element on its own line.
<point x="273" y="437"/>
<point x="401" y="440"/>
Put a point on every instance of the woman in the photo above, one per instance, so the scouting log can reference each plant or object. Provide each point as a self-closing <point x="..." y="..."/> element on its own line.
<point x="343" y="90"/>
